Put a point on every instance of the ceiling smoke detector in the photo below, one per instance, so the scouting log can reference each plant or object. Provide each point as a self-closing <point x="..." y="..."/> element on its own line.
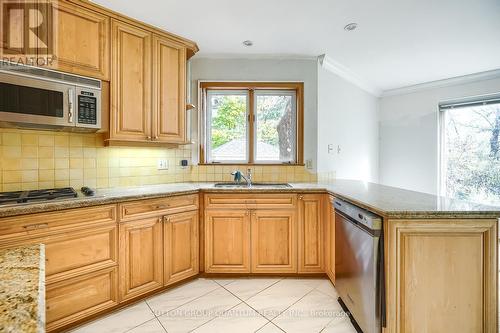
<point x="351" y="27"/>
<point x="248" y="43"/>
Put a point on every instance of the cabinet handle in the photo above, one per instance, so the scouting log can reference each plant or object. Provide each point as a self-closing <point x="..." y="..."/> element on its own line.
<point x="301" y="197"/>
<point x="156" y="207"/>
<point x="36" y="226"/>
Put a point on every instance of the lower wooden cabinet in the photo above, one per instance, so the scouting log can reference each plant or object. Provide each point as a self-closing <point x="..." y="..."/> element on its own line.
<point x="330" y="241"/>
<point x="141" y="257"/>
<point x="274" y="239"/>
<point x="227" y="241"/>
<point x="310" y="243"/>
<point x="181" y="251"/>
<point x="80" y="297"/>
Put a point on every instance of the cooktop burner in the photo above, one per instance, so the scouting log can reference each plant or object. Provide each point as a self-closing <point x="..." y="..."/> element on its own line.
<point x="36" y="195"/>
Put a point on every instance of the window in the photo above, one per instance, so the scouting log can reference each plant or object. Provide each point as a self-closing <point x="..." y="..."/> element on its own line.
<point x="470" y="150"/>
<point x="252" y="123"/>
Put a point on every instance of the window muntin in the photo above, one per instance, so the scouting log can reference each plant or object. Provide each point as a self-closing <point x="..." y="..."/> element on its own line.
<point x="470" y="152"/>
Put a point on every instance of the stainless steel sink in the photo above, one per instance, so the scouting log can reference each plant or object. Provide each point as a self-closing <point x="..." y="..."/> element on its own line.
<point x="254" y="185"/>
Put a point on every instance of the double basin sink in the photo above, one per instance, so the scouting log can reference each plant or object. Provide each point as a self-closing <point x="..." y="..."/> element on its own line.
<point x="254" y="185"/>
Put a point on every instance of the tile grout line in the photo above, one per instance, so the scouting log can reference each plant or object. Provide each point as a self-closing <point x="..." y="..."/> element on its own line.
<point x="164" y="328"/>
<point x="126" y="308"/>
<point x="289" y="308"/>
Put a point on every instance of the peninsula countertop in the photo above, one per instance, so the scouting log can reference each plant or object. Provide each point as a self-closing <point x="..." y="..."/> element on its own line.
<point x="390" y="202"/>
<point x="22" y="289"/>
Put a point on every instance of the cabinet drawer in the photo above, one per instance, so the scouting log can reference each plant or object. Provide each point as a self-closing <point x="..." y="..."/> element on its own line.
<point x="63" y="220"/>
<point x="81" y="252"/>
<point x="251" y="201"/>
<point x="152" y="207"/>
<point x="78" y="298"/>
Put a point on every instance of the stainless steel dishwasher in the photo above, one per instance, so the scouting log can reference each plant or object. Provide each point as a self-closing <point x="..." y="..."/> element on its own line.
<point x="359" y="266"/>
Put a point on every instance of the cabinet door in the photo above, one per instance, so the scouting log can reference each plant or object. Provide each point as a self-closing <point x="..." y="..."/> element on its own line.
<point x="330" y="242"/>
<point x="274" y="241"/>
<point x="130" y="118"/>
<point x="310" y="233"/>
<point x="169" y="91"/>
<point x="81" y="40"/>
<point x="141" y="257"/>
<point x="78" y="298"/>
<point x="227" y="241"/>
<point x="180" y="235"/>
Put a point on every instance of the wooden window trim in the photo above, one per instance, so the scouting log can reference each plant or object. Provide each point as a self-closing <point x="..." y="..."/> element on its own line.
<point x="298" y="87"/>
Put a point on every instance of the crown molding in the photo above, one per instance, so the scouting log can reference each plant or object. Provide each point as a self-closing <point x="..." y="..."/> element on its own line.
<point x="470" y="78"/>
<point x="252" y="56"/>
<point x="331" y="65"/>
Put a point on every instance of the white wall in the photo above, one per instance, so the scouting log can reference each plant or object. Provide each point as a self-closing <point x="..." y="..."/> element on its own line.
<point x="409" y="134"/>
<point x="347" y="117"/>
<point x="264" y="70"/>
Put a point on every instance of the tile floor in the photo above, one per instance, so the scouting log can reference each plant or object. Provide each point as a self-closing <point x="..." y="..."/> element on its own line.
<point x="263" y="305"/>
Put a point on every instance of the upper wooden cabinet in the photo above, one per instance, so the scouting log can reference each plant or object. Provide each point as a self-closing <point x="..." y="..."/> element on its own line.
<point x="148" y="87"/>
<point x="311" y="233"/>
<point x="130" y="118"/>
<point x="81" y="40"/>
<point x="169" y="94"/>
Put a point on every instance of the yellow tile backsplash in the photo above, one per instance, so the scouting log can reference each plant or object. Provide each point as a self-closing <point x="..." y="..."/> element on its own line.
<point x="42" y="159"/>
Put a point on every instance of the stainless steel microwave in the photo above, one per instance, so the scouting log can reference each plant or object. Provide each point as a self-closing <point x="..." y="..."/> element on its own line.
<point x="33" y="97"/>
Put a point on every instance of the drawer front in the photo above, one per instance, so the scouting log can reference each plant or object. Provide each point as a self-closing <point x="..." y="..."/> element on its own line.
<point x="80" y="297"/>
<point x="161" y="206"/>
<point x="82" y="252"/>
<point x="251" y="201"/>
<point x="46" y="223"/>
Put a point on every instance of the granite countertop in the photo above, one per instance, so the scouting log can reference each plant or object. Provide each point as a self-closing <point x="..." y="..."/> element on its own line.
<point x="22" y="289"/>
<point x="387" y="201"/>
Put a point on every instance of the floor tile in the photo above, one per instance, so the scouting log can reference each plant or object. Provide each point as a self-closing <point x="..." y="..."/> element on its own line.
<point x="326" y="287"/>
<point x="310" y="314"/>
<point x="152" y="326"/>
<point x="120" y="321"/>
<point x="196" y="313"/>
<point x="246" y="288"/>
<point x="270" y="328"/>
<point x="183" y="294"/>
<point x="241" y="319"/>
<point x="273" y="300"/>
<point x="339" y="325"/>
<point x="223" y="281"/>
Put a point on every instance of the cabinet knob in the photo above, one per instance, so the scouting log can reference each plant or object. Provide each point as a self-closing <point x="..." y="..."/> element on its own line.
<point x="156" y="137"/>
<point x="148" y="138"/>
<point x="301" y="197"/>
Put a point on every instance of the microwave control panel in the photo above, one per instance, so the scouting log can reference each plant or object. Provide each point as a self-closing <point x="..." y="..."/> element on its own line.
<point x="87" y="108"/>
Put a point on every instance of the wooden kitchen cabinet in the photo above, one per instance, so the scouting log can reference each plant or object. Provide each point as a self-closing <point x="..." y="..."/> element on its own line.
<point x="81" y="40"/>
<point x="141" y="257"/>
<point x="181" y="251"/>
<point x="274" y="241"/>
<point x="227" y="241"/>
<point x="80" y="297"/>
<point x="130" y="118"/>
<point x="330" y="240"/>
<point x="310" y="230"/>
<point x="169" y="91"/>
<point x="148" y="87"/>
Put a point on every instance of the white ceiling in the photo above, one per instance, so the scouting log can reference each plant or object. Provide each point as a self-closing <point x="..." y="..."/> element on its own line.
<point x="398" y="42"/>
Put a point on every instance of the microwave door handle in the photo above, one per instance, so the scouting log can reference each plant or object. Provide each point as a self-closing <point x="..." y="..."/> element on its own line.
<point x="71" y="98"/>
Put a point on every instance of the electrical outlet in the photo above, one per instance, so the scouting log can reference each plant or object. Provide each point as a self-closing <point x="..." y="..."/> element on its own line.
<point x="330" y="148"/>
<point x="162" y="164"/>
<point x="309" y="164"/>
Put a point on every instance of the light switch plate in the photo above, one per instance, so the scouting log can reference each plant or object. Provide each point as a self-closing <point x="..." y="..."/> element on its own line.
<point x="309" y="164"/>
<point x="162" y="164"/>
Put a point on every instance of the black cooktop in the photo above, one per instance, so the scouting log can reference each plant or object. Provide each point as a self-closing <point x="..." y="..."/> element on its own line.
<point x="36" y="195"/>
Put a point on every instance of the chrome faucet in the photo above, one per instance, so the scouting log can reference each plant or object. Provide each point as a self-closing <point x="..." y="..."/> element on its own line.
<point x="238" y="175"/>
